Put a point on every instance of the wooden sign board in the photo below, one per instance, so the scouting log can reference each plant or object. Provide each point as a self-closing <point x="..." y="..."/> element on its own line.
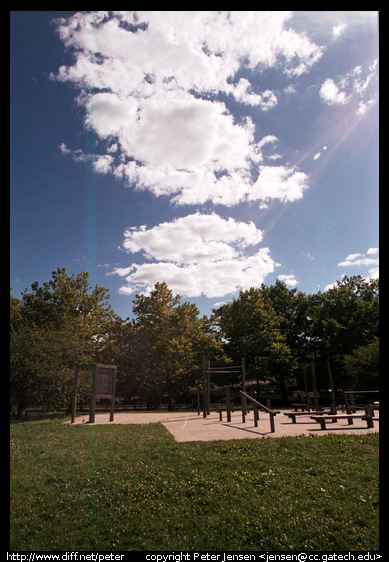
<point x="105" y="381"/>
<point x="103" y="386"/>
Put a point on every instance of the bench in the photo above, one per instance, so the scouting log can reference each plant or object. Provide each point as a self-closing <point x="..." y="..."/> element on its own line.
<point x="293" y="415"/>
<point x="301" y="406"/>
<point x="350" y="418"/>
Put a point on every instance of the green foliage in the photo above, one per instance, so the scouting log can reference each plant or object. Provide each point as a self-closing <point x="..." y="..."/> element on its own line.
<point x="362" y="366"/>
<point x="60" y="324"/>
<point x="291" y="307"/>
<point x="169" y="339"/>
<point x="252" y="329"/>
<point x="65" y="322"/>
<point x="344" y="318"/>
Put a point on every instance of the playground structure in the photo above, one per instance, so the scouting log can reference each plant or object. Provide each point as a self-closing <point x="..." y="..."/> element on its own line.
<point x="312" y="414"/>
<point x="237" y="369"/>
<point x="309" y="400"/>
<point x="321" y="416"/>
<point x="206" y="372"/>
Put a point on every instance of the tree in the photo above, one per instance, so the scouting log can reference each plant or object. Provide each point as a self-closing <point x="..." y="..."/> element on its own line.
<point x="252" y="329"/>
<point x="362" y="366"/>
<point x="55" y="326"/>
<point x="69" y="298"/>
<point x="291" y="306"/>
<point x="170" y="340"/>
<point x="343" y="318"/>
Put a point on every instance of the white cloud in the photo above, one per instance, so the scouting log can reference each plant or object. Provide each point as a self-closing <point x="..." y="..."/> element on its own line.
<point x="77" y="155"/>
<point x="103" y="164"/>
<point x="364" y="265"/>
<point x="364" y="106"/>
<point x="339" y="29"/>
<point x="358" y="260"/>
<point x="197" y="254"/>
<point x="150" y="82"/>
<point x="354" y="84"/>
<point x="212" y="279"/>
<point x="364" y="261"/>
<point x="332" y="285"/>
<point x="289" y="280"/>
<point x="193" y="239"/>
<point x="242" y="92"/>
<point x="331" y="94"/>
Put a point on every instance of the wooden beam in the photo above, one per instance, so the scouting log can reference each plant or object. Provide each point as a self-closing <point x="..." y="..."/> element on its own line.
<point x="268" y="410"/>
<point x="213" y="371"/>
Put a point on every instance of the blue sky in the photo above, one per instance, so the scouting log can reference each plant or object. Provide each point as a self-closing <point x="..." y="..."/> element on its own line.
<point x="212" y="150"/>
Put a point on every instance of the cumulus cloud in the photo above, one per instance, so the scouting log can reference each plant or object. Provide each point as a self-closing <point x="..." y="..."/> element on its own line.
<point x="289" y="280"/>
<point x="212" y="279"/>
<point x="363" y="263"/>
<point x="338" y="30"/>
<point x="193" y="239"/>
<point x="331" y="94"/>
<point x="369" y="260"/>
<point x="353" y="85"/>
<point x="152" y="86"/>
<point x="195" y="255"/>
<point x="361" y="259"/>
<point x="243" y="93"/>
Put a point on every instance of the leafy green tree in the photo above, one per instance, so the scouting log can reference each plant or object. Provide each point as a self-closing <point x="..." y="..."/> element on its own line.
<point x="343" y="318"/>
<point x="168" y="340"/>
<point x="24" y="360"/>
<point x="66" y="298"/>
<point x="252" y="329"/>
<point x="362" y="366"/>
<point x="55" y="326"/>
<point x="291" y="307"/>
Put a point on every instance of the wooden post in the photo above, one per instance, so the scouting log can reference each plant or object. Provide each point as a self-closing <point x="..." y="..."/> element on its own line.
<point x="244" y="402"/>
<point x="347" y="404"/>
<point x="255" y="415"/>
<point x="92" y="412"/>
<point x="111" y="415"/>
<point x="313" y="371"/>
<point x="208" y="388"/>
<point x="369" y="413"/>
<point x="309" y="401"/>
<point x="333" y="399"/>
<point x="352" y="402"/>
<point x="257" y="404"/>
<point x="204" y="388"/>
<point x="228" y="404"/>
<point x="74" y="403"/>
<point x="272" y="428"/>
<point x="198" y="402"/>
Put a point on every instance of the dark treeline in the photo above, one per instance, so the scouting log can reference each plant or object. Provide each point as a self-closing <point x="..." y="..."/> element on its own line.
<point x="66" y="322"/>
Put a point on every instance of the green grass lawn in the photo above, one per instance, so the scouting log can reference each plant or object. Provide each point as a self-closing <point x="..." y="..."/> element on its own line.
<point x="126" y="487"/>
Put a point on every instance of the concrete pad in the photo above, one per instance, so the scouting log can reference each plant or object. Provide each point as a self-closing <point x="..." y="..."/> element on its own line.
<point x="193" y="427"/>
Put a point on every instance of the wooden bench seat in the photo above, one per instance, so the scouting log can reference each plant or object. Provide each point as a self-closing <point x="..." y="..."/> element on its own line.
<point x="293" y="415"/>
<point x="350" y="418"/>
<point x="302" y="406"/>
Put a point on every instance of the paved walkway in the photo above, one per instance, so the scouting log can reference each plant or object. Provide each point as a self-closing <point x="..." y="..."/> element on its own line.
<point x="193" y="427"/>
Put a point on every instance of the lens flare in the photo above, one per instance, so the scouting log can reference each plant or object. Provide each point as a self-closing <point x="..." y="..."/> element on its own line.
<point x="318" y="154"/>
